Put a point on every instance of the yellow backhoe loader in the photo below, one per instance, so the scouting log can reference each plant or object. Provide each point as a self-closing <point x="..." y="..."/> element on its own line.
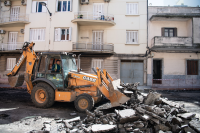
<point x="69" y="84"/>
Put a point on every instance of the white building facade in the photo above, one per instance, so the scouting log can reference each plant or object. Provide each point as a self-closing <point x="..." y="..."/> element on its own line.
<point x="111" y="35"/>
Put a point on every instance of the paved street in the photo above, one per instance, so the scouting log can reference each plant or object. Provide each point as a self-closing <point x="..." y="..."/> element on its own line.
<point x="19" y="98"/>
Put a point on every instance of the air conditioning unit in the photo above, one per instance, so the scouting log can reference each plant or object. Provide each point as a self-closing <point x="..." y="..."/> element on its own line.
<point x="84" y="2"/>
<point x="106" y="0"/>
<point x="2" y="31"/>
<point x="23" y="2"/>
<point x="22" y="31"/>
<point x="7" y="3"/>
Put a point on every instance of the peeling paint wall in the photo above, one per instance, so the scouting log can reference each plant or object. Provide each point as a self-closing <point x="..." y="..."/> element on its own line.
<point x="196" y="30"/>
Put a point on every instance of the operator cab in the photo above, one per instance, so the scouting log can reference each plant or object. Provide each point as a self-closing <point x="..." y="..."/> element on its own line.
<point x="55" y="68"/>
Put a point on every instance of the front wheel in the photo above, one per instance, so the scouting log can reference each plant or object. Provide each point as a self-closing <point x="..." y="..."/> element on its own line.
<point x="43" y="95"/>
<point x="84" y="102"/>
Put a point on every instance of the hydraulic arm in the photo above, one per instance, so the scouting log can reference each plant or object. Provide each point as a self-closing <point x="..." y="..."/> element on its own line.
<point x="29" y="57"/>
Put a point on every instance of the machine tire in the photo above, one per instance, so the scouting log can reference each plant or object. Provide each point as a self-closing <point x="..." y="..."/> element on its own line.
<point x="43" y="95"/>
<point x="84" y="99"/>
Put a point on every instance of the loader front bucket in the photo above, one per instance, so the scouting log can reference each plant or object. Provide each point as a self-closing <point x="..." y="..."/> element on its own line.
<point x="115" y="96"/>
<point x="15" y="81"/>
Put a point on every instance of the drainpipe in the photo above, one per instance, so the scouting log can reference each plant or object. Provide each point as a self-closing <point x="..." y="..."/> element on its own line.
<point x="147" y="43"/>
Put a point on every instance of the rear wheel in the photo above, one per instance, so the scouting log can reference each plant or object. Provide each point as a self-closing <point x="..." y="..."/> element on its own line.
<point x="83" y="102"/>
<point x="43" y="95"/>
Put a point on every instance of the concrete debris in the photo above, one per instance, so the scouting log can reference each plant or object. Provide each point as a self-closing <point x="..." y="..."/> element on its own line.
<point x="187" y="116"/>
<point x="143" y="113"/>
<point x="195" y="125"/>
<point x="102" y="128"/>
<point x="151" y="98"/>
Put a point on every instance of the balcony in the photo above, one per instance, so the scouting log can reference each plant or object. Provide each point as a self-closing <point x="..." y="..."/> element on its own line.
<point x="14" y="19"/>
<point x="10" y="46"/>
<point x="85" y="18"/>
<point x="159" y="43"/>
<point x="93" y="47"/>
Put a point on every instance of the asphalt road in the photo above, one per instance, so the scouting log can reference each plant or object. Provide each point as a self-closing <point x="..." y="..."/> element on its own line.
<point x="20" y="99"/>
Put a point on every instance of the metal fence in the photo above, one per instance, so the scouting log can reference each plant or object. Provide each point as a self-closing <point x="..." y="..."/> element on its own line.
<point x="93" y="16"/>
<point x="176" y="84"/>
<point x="11" y="46"/>
<point x="93" y="47"/>
<point x="14" y="18"/>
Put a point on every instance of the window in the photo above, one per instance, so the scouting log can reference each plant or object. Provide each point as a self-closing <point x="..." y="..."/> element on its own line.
<point x="63" y="6"/>
<point x="131" y="8"/>
<point x="97" y="63"/>
<point x="63" y="34"/>
<point x="37" y="34"/>
<point x="37" y="7"/>
<point x="169" y="32"/>
<point x="131" y="37"/>
<point x="192" y="67"/>
<point x="10" y="63"/>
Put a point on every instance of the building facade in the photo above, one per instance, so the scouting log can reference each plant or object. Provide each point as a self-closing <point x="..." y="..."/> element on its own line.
<point x="174" y="42"/>
<point x="109" y="34"/>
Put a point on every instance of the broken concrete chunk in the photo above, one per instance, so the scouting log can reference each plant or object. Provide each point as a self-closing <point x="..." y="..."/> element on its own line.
<point x="90" y="113"/>
<point x="158" y="101"/>
<point x="155" y="120"/>
<point x="175" y="128"/>
<point x="176" y="120"/>
<point x="187" y="116"/>
<point x="125" y="113"/>
<point x="170" y="103"/>
<point x="159" y="111"/>
<point x="73" y="131"/>
<point x="174" y="111"/>
<point x="166" y="107"/>
<point x="151" y="97"/>
<point x="145" y="117"/>
<point x="195" y="125"/>
<point x="161" y="127"/>
<point x="102" y="128"/>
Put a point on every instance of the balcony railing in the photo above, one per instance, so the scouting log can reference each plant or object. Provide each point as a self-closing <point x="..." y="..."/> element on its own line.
<point x="14" y="18"/>
<point x="93" y="16"/>
<point x="159" y="41"/>
<point x="11" y="46"/>
<point x="98" y="47"/>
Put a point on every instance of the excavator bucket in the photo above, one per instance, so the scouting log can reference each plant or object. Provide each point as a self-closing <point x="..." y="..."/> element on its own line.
<point x="115" y="96"/>
<point x="15" y="81"/>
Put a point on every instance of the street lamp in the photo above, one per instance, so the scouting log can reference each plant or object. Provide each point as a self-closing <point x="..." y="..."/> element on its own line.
<point x="44" y="4"/>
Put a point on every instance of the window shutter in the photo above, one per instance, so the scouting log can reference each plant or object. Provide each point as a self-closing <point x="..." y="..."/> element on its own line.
<point x="56" y="34"/>
<point x="136" y="8"/>
<point x="162" y="31"/>
<point x="56" y="5"/>
<point x="44" y="9"/>
<point x="70" y="33"/>
<point x="175" y="32"/>
<point x="59" y="34"/>
<point x="127" y="8"/>
<point x="70" y="5"/>
<point x="34" y="6"/>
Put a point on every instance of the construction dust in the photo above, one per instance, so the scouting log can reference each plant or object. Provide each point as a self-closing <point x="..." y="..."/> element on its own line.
<point x="143" y="113"/>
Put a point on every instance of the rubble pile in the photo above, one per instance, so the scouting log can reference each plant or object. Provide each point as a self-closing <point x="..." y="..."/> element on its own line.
<point x="142" y="114"/>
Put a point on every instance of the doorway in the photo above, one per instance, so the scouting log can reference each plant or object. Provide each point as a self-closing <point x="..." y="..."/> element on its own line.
<point x="98" y="9"/>
<point x="97" y="40"/>
<point x="12" y="40"/>
<point x="132" y="71"/>
<point x="14" y="13"/>
<point x="157" y="71"/>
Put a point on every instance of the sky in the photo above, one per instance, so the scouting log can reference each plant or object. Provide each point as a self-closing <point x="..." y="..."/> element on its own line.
<point x="191" y="3"/>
